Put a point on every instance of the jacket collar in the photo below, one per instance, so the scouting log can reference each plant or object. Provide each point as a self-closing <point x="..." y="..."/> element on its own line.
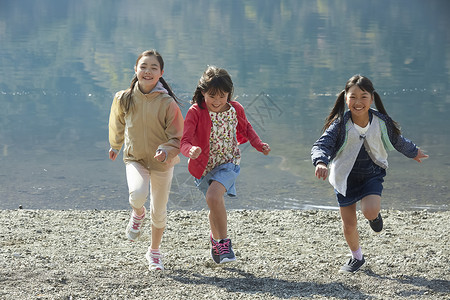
<point x="159" y="88"/>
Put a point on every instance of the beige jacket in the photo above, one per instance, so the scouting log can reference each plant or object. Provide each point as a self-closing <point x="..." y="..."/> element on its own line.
<point x="154" y="122"/>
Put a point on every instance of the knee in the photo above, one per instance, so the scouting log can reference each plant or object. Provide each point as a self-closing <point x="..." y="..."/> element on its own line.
<point x="213" y="200"/>
<point x="370" y="212"/>
<point x="138" y="198"/>
<point x="370" y="206"/>
<point x="159" y="220"/>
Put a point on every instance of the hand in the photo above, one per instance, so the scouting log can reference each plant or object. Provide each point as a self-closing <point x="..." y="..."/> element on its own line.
<point x="265" y="149"/>
<point x="112" y="155"/>
<point x="321" y="171"/>
<point x="420" y="155"/>
<point x="160" y="155"/>
<point x="195" y="152"/>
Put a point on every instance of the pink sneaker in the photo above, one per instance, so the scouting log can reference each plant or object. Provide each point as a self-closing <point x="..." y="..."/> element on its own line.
<point x="133" y="230"/>
<point x="154" y="258"/>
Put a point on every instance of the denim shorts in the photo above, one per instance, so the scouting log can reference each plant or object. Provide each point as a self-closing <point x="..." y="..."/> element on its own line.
<point x="226" y="174"/>
<point x="366" y="178"/>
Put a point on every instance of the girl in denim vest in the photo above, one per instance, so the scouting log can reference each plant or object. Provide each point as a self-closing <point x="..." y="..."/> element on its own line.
<point x="354" y="146"/>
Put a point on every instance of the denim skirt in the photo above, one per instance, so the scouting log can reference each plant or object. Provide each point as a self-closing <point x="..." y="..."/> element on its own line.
<point x="226" y="174"/>
<point x="366" y="178"/>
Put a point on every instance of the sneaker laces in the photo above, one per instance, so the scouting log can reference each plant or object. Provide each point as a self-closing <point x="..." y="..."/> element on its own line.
<point x="137" y="222"/>
<point x="156" y="258"/>
<point x="215" y="247"/>
<point x="223" y="246"/>
<point x="353" y="261"/>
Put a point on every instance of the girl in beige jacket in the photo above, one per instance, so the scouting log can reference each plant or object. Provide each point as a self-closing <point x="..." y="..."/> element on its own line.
<point x="146" y="120"/>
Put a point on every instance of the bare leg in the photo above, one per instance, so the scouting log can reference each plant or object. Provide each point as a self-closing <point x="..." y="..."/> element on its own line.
<point x="370" y="206"/>
<point x="157" y="234"/>
<point x="217" y="211"/>
<point x="349" y="225"/>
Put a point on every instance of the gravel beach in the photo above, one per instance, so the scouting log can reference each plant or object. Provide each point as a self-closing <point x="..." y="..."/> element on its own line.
<point x="281" y="254"/>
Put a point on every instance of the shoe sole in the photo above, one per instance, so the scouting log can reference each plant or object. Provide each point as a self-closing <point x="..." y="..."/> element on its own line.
<point x="131" y="239"/>
<point x="225" y="260"/>
<point x="377" y="232"/>
<point x="352" y="272"/>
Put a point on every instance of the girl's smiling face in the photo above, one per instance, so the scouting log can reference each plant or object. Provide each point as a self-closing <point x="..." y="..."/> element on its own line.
<point x="217" y="102"/>
<point x="148" y="72"/>
<point x="358" y="102"/>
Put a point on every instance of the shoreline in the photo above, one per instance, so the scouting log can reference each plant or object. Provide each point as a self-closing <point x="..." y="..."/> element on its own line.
<point x="281" y="254"/>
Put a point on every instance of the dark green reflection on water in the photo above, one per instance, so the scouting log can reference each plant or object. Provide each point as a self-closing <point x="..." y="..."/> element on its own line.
<point x="62" y="62"/>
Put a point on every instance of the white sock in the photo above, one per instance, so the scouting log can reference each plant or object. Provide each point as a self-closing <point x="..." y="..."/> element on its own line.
<point x="138" y="217"/>
<point x="155" y="251"/>
<point x="357" y="254"/>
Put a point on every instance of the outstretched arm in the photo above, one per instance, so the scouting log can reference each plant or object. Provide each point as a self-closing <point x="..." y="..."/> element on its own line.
<point x="420" y="155"/>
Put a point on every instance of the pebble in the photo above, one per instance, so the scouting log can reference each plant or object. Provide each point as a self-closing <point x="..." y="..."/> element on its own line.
<point x="78" y="259"/>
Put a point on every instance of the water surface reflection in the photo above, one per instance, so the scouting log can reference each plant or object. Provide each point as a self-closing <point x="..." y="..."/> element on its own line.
<point x="63" y="61"/>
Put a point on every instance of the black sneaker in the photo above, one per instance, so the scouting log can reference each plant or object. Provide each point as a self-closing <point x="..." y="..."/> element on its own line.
<point x="377" y="224"/>
<point x="352" y="265"/>
<point x="222" y="252"/>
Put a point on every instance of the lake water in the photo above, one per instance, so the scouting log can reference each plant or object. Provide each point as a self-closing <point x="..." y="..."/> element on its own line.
<point x="62" y="61"/>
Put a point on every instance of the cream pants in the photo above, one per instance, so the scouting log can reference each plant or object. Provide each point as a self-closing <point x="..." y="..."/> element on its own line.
<point x="139" y="179"/>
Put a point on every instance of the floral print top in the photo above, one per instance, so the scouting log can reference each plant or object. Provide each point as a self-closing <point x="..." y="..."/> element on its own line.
<point x="223" y="144"/>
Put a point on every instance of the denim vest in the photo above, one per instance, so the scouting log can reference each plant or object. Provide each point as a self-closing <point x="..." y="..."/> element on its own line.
<point x="375" y="141"/>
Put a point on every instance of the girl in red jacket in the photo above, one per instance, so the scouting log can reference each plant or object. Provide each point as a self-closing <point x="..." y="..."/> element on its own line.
<point x="213" y="128"/>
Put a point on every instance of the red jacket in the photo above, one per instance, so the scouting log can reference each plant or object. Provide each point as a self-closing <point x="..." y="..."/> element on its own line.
<point x="197" y="130"/>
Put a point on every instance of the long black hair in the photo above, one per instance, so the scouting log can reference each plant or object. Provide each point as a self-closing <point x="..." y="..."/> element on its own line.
<point x="127" y="100"/>
<point x="364" y="84"/>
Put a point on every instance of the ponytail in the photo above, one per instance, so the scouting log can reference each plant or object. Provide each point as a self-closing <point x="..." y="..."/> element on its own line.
<point x="379" y="104"/>
<point x="337" y="111"/>
<point x="198" y="98"/>
<point x="169" y="90"/>
<point x="126" y="101"/>
<point x="380" y="107"/>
